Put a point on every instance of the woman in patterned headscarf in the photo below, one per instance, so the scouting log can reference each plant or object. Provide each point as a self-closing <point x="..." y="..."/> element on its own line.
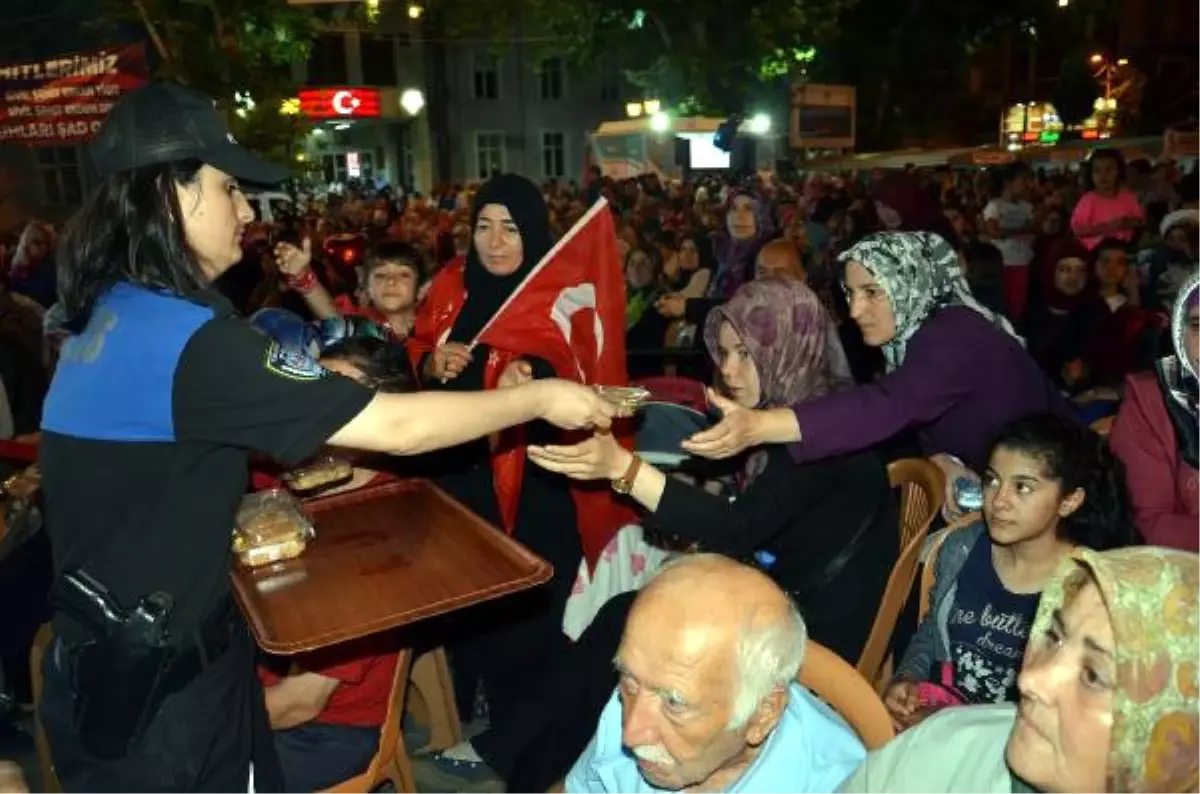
<point x="1108" y="692"/>
<point x="956" y="372"/>
<point x="824" y="531"/>
<point x="1156" y="435"/>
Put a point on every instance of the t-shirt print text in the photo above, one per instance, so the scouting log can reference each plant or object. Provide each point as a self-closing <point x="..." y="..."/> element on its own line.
<point x="986" y="664"/>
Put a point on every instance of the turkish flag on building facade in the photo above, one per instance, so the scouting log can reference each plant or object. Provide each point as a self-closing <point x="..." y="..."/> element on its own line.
<point x="571" y="310"/>
<point x="574" y="299"/>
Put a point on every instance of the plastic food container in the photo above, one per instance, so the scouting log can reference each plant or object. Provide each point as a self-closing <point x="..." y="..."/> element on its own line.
<point x="319" y="474"/>
<point x="271" y="527"/>
<point x="626" y="399"/>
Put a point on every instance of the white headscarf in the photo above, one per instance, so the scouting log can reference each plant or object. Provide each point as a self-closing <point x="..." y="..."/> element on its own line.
<point x="919" y="271"/>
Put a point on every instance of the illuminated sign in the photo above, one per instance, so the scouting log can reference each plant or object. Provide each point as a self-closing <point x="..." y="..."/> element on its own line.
<point x="340" y="103"/>
<point x="353" y="166"/>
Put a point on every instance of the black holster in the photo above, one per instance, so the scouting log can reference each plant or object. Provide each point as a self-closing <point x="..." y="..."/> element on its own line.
<point x="122" y="674"/>
<point x="118" y="691"/>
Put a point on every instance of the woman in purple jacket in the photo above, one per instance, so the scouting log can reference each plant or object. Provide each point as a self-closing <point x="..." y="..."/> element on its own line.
<point x="956" y="372"/>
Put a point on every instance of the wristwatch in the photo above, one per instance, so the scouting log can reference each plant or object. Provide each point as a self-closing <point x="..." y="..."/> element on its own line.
<point x="624" y="484"/>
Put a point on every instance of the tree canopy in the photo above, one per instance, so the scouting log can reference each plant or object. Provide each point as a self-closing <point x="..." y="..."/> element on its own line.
<point x="231" y="49"/>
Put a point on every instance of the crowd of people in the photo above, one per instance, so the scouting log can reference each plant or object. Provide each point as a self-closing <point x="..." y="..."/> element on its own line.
<point x="982" y="320"/>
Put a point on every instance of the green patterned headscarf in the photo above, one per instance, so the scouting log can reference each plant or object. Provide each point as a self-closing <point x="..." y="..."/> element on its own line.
<point x="1151" y="596"/>
<point x="920" y="273"/>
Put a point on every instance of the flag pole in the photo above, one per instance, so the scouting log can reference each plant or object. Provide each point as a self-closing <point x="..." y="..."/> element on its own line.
<point x="601" y="203"/>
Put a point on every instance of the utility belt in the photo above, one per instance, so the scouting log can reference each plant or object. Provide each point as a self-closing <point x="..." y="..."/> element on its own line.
<point x="130" y="663"/>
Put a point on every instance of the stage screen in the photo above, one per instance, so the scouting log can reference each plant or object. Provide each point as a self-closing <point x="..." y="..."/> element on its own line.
<point x="701" y="152"/>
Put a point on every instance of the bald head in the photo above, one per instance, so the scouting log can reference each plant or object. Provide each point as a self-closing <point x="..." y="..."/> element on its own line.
<point x="708" y="653"/>
<point x="731" y="616"/>
<point x="712" y="594"/>
<point x="780" y="259"/>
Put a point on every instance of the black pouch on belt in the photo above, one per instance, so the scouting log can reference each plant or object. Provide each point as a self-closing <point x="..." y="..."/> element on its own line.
<point x="118" y="676"/>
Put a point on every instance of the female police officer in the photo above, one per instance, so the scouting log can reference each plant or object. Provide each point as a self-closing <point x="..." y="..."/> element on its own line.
<point x="160" y="395"/>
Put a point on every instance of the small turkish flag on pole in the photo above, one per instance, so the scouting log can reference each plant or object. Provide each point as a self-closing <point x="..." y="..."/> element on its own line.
<point x="573" y="301"/>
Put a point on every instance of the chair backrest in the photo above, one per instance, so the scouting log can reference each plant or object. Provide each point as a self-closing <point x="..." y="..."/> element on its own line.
<point x="922" y="491"/>
<point x="928" y="577"/>
<point x="41" y="642"/>
<point x="833" y="680"/>
<point x="385" y="765"/>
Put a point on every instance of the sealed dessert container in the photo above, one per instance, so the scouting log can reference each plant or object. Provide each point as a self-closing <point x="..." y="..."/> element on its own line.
<point x="271" y="527"/>
<point x="626" y="399"/>
<point x="319" y="474"/>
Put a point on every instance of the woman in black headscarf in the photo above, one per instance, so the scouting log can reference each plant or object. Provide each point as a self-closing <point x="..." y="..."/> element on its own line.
<point x="511" y="642"/>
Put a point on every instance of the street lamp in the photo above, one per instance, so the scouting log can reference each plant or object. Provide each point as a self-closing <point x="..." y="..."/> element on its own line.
<point x="660" y="122"/>
<point x="760" y="124"/>
<point x="633" y="109"/>
<point x="1097" y="58"/>
<point x="412" y="100"/>
<point x="415" y="11"/>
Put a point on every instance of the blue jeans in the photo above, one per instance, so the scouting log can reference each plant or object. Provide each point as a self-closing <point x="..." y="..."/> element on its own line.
<point x="316" y="756"/>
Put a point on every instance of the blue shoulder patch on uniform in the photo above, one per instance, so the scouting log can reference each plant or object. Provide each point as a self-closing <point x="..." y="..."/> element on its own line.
<point x="292" y="362"/>
<point x="115" y="380"/>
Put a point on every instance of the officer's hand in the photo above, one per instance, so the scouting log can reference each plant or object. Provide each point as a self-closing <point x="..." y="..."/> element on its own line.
<point x="570" y="405"/>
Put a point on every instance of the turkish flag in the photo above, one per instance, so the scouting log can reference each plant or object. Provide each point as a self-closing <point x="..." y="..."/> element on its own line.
<point x="573" y="302"/>
<point x="569" y="311"/>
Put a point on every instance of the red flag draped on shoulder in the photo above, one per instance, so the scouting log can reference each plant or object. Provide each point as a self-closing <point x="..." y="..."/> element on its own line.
<point x="570" y="312"/>
<point x="573" y="301"/>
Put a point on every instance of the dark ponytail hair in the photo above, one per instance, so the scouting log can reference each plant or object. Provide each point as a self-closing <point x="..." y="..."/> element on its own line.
<point x="130" y="228"/>
<point x="1079" y="459"/>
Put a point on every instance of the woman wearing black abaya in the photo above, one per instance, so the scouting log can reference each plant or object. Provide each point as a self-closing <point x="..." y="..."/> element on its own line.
<point x="511" y="643"/>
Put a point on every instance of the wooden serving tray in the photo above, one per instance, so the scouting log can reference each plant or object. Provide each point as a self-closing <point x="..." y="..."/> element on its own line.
<point x="383" y="557"/>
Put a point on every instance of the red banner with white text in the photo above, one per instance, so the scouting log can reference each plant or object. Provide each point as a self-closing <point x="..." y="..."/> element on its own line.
<point x="62" y="101"/>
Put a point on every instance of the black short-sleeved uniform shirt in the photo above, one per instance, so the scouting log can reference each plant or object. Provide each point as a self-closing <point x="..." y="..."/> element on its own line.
<point x="147" y="430"/>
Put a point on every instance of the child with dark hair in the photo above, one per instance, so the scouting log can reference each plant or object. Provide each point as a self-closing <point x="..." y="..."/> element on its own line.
<point x="389" y="285"/>
<point x="1108" y="209"/>
<point x="1050" y="486"/>
<point x="1008" y="225"/>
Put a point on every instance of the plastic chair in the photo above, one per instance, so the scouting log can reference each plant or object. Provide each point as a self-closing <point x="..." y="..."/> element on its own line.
<point x="928" y="577"/>
<point x="391" y="759"/>
<point x="922" y="491"/>
<point x="434" y="705"/>
<point x="37" y="652"/>
<point x="833" y="680"/>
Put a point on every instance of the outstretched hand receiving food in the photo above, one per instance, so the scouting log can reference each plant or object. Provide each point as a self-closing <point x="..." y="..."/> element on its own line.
<point x="735" y="432"/>
<point x="598" y="458"/>
<point x="741" y="428"/>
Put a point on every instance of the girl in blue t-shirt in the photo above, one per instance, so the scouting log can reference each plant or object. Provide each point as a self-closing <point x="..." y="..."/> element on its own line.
<point x="1049" y="486"/>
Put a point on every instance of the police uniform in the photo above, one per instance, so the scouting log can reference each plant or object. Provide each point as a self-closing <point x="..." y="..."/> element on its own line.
<point x="148" y="427"/>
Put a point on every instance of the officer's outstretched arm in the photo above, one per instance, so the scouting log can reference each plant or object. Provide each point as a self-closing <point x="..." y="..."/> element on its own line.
<point x="409" y="424"/>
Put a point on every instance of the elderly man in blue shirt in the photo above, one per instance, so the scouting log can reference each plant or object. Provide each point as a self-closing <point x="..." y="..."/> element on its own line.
<point x="707" y="698"/>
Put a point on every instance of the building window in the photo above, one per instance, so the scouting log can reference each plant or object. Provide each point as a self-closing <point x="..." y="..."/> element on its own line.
<point x="554" y="155"/>
<point x="489" y="154"/>
<point x="327" y="60"/>
<point x="487" y="78"/>
<point x="610" y="80"/>
<point x="58" y="169"/>
<point x="378" y="61"/>
<point x="552" y="78"/>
